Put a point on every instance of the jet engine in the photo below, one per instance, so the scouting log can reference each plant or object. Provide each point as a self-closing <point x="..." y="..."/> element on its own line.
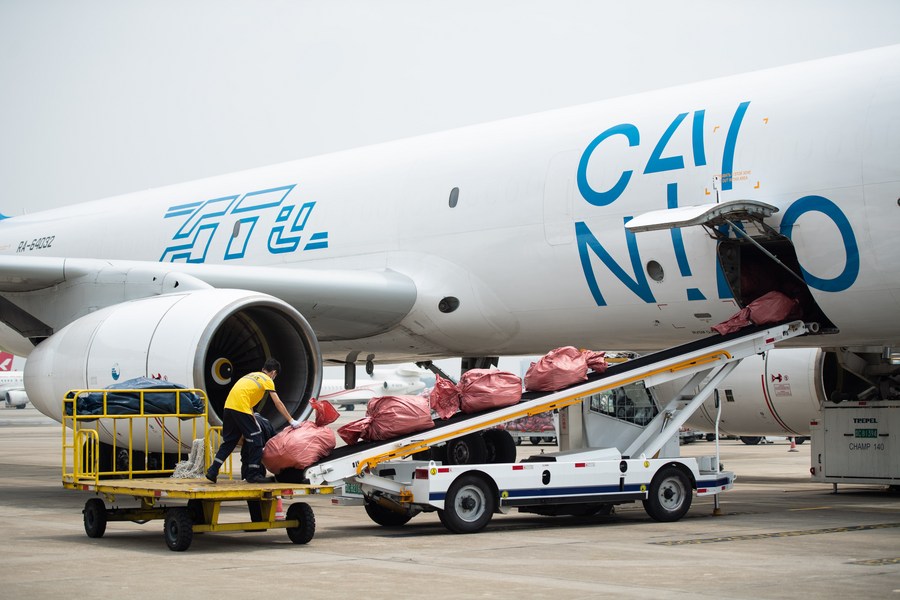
<point x="203" y="339"/>
<point x="775" y="393"/>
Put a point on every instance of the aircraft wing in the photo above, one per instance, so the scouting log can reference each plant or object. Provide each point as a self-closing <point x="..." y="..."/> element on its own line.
<point x="338" y="304"/>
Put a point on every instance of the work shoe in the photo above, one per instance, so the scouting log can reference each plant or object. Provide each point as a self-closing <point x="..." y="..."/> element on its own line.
<point x="259" y="479"/>
<point x="212" y="474"/>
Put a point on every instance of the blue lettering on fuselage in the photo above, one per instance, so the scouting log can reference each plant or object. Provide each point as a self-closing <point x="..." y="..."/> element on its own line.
<point x="193" y="239"/>
<point x="661" y="161"/>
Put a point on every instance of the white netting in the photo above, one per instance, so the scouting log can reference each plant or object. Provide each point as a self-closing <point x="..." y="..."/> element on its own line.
<point x="192" y="467"/>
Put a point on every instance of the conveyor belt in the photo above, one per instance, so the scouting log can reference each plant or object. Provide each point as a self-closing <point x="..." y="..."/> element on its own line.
<point x="534" y="402"/>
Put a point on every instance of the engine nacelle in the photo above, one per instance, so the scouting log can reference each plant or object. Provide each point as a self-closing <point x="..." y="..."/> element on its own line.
<point x="203" y="339"/>
<point x="775" y="393"/>
<point x="16" y="398"/>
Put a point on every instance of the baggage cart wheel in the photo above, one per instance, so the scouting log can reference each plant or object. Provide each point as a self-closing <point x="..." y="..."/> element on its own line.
<point x="469" y="505"/>
<point x="535" y="440"/>
<point x="94" y="518"/>
<point x="178" y="529"/>
<point x="670" y="495"/>
<point x="302" y="533"/>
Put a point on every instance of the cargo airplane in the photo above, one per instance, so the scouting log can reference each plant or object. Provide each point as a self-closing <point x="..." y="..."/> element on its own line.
<point x="633" y="223"/>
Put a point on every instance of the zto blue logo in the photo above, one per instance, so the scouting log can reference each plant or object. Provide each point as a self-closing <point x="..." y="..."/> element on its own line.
<point x="192" y="241"/>
<point x="115" y="372"/>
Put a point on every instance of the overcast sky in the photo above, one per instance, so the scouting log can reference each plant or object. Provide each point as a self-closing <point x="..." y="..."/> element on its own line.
<point x="103" y="97"/>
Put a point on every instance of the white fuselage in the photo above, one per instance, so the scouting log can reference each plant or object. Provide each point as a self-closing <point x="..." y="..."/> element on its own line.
<point x="534" y="245"/>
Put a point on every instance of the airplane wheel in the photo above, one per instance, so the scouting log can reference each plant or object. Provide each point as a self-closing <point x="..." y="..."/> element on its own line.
<point x="94" y="518"/>
<point x="302" y="512"/>
<point x="799" y="440"/>
<point x="385" y="516"/>
<point x="469" y="505"/>
<point x="178" y="529"/>
<point x="751" y="440"/>
<point x="670" y="495"/>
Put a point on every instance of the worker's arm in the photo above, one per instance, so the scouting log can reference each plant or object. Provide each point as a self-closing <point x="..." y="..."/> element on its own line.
<point x="284" y="412"/>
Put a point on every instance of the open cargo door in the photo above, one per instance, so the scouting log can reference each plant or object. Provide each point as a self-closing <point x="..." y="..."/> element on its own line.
<point x="754" y="257"/>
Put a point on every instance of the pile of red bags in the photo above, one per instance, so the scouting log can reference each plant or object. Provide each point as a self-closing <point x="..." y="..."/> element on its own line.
<point x="563" y="367"/>
<point x="388" y="417"/>
<point x="304" y="446"/>
<point x="773" y="307"/>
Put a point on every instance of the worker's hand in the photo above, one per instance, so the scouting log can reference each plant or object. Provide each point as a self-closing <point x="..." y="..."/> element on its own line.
<point x="295" y="423"/>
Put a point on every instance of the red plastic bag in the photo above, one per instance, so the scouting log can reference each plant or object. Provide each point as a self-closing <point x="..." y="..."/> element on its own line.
<point x="556" y="370"/>
<point x="596" y="361"/>
<point x="326" y="414"/>
<point x="444" y="398"/>
<point x="397" y="415"/>
<point x="388" y="417"/>
<point x="298" y="448"/>
<point x="773" y="307"/>
<point x="355" y="431"/>
<point x="481" y="389"/>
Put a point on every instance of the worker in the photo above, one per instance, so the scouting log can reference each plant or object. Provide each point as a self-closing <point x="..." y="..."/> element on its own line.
<point x="238" y="420"/>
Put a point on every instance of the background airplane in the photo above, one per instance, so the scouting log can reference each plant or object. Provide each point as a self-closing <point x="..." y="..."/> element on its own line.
<point x="395" y="381"/>
<point x="12" y="385"/>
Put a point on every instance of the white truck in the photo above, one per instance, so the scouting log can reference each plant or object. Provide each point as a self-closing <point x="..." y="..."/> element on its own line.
<point x="603" y="460"/>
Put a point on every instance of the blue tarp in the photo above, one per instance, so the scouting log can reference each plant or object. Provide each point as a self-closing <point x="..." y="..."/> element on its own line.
<point x="129" y="403"/>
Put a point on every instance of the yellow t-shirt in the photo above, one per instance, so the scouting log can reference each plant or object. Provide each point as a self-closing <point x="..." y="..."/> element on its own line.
<point x="248" y="391"/>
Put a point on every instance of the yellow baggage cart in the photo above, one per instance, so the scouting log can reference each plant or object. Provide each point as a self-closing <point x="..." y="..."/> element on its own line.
<point x="139" y="461"/>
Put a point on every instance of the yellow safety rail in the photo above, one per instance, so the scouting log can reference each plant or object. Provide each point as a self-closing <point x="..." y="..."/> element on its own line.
<point x="141" y="444"/>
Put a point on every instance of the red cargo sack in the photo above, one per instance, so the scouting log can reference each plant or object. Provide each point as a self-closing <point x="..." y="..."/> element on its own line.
<point x="298" y="448"/>
<point x="444" y="398"/>
<point x="556" y="370"/>
<point x="388" y="417"/>
<point x="596" y="361"/>
<point x="355" y="431"/>
<point x="481" y="389"/>
<point x="773" y="307"/>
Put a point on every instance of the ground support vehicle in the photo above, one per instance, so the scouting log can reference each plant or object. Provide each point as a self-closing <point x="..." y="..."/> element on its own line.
<point x="185" y="505"/>
<point x="639" y="461"/>
<point x="856" y="442"/>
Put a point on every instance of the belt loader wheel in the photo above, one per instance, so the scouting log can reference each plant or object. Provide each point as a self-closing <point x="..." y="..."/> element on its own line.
<point x="385" y="516"/>
<point x="500" y="445"/>
<point x="94" y="518"/>
<point x="469" y="505"/>
<point x="670" y="495"/>
<point x="469" y="449"/>
<point x="178" y="529"/>
<point x="302" y="512"/>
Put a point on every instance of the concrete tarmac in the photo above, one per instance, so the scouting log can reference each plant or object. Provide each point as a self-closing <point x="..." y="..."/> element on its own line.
<point x="779" y="536"/>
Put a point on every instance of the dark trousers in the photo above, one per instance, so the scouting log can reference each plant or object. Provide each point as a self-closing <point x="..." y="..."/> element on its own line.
<point x="234" y="425"/>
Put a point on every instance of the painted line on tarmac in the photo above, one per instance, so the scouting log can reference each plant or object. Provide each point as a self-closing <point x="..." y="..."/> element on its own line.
<point x="777" y="534"/>
<point x="877" y="562"/>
